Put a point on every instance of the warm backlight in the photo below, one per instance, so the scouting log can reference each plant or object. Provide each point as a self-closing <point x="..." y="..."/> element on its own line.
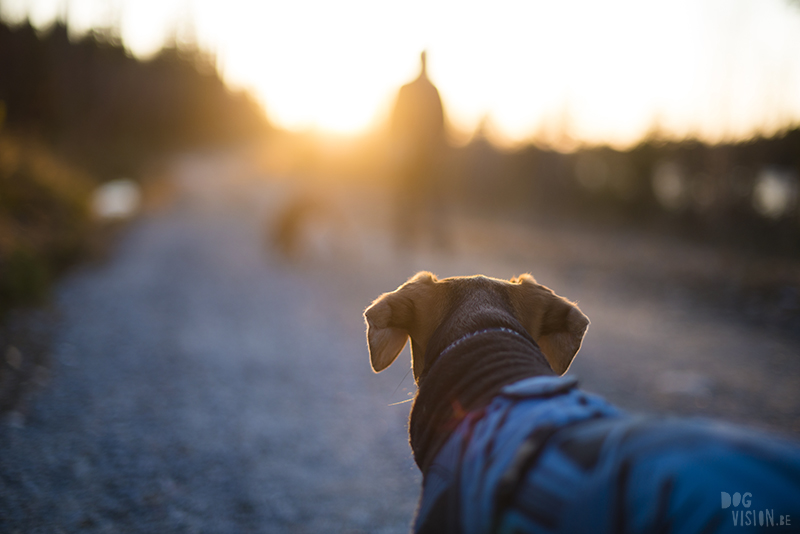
<point x="595" y="71"/>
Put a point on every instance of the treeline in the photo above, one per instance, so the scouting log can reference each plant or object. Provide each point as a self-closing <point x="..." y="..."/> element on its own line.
<point x="741" y="194"/>
<point x="91" y="100"/>
<point x="77" y="111"/>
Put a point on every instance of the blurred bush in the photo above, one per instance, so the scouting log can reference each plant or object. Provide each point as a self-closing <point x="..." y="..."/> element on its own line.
<point x="44" y="219"/>
<point x="743" y="194"/>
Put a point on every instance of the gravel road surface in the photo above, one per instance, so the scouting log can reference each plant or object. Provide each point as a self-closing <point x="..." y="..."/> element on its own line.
<point x="200" y="383"/>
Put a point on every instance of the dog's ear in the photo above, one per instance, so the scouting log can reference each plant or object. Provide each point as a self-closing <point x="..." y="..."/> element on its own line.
<point x="557" y="325"/>
<point x="392" y="319"/>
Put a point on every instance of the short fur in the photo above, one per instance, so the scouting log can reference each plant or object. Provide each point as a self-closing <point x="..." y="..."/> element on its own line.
<point x="435" y="313"/>
<point x="424" y="304"/>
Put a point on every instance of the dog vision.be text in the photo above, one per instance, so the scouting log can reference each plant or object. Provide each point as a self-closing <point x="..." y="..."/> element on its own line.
<point x="746" y="518"/>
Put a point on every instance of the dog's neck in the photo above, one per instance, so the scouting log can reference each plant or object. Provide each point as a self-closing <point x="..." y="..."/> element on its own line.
<point x="463" y="370"/>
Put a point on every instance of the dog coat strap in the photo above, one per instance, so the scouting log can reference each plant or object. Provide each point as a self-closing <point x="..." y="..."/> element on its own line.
<point x="539" y="387"/>
<point x="523" y="461"/>
<point x="502" y="448"/>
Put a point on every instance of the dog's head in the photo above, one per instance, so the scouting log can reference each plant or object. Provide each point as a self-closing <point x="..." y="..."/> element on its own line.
<point x="418" y="308"/>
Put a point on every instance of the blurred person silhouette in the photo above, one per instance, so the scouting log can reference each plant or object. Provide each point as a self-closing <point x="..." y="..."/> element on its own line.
<point x="418" y="142"/>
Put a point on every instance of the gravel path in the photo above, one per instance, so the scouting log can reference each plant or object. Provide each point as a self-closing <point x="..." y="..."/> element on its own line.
<point x="198" y="388"/>
<point x="200" y="384"/>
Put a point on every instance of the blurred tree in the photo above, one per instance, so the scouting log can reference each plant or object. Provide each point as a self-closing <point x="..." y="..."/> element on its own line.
<point x="71" y="105"/>
<point x="105" y="109"/>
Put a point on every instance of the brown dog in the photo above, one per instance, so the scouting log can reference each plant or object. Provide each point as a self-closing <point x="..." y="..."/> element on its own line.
<point x="507" y="445"/>
<point x="457" y="305"/>
<point x="437" y="313"/>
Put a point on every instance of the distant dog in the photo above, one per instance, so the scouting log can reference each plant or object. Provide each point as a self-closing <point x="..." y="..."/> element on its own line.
<point x="309" y="228"/>
<point x="507" y="445"/>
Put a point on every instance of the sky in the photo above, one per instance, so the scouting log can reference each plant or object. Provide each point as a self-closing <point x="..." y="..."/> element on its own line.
<point x="596" y="71"/>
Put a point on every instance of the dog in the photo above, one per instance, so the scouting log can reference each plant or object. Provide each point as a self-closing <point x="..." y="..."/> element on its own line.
<point x="508" y="445"/>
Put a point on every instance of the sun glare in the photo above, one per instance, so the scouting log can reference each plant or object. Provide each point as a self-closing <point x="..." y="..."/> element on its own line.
<point x="583" y="69"/>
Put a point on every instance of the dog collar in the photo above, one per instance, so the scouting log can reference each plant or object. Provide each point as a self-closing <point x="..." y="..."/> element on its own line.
<point x="465" y="337"/>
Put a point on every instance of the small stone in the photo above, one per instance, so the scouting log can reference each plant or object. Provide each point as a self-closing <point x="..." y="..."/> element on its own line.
<point x="686" y="383"/>
<point x="13" y="357"/>
<point x="15" y="419"/>
<point x="41" y="375"/>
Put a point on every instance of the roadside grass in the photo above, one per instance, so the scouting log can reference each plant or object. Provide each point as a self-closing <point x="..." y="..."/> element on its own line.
<point x="44" y="220"/>
<point x="45" y="226"/>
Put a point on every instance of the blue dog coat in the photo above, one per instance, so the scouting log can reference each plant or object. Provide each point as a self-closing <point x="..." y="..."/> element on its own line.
<point x="544" y="456"/>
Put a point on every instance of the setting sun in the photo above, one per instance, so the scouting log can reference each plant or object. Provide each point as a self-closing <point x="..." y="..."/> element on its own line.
<point x="595" y="72"/>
